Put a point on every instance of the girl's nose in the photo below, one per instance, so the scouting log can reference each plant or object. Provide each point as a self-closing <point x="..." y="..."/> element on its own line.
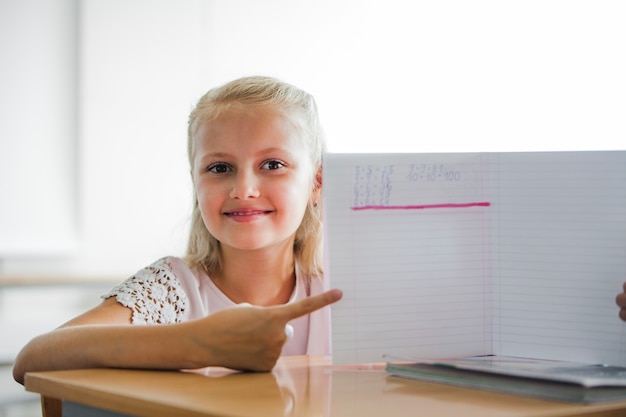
<point x="244" y="186"/>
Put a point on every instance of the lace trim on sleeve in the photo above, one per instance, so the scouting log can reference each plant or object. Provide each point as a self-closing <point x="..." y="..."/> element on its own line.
<point x="154" y="294"/>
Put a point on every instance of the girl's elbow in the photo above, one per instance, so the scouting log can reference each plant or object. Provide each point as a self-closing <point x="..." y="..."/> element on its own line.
<point x="23" y="364"/>
<point x="18" y="371"/>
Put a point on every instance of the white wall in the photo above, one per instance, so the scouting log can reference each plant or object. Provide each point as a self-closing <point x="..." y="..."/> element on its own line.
<point x="388" y="75"/>
<point x="139" y="79"/>
<point x="37" y="127"/>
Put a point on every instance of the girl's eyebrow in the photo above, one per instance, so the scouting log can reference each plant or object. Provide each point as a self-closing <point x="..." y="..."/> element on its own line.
<point x="215" y="155"/>
<point x="281" y="151"/>
<point x="203" y="159"/>
<point x="263" y="152"/>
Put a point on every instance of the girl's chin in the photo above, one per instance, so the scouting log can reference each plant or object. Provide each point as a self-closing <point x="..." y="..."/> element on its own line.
<point x="250" y="246"/>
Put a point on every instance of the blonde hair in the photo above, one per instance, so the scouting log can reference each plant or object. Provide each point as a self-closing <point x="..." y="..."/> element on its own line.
<point x="300" y="109"/>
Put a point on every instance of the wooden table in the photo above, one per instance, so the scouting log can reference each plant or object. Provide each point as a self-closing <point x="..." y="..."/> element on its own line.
<point x="298" y="386"/>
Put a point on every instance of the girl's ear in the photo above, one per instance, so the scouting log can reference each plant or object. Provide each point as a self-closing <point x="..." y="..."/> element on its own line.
<point x="316" y="195"/>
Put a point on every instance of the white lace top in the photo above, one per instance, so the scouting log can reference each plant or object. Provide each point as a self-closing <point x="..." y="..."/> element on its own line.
<point x="168" y="291"/>
<point x="154" y="294"/>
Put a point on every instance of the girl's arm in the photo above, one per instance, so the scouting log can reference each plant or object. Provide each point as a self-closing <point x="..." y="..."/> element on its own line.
<point x="248" y="338"/>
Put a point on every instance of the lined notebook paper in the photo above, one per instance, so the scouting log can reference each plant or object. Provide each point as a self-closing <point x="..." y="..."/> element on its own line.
<point x="450" y="255"/>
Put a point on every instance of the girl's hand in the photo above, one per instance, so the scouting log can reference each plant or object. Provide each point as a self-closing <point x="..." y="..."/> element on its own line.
<point x="249" y="338"/>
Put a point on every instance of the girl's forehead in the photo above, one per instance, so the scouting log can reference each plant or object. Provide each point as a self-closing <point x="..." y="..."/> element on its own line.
<point x="240" y="131"/>
<point x="253" y="123"/>
<point x="221" y="110"/>
<point x="292" y="121"/>
<point x="256" y="119"/>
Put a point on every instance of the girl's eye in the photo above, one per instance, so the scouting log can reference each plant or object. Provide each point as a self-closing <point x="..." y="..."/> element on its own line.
<point x="272" y="164"/>
<point x="219" y="168"/>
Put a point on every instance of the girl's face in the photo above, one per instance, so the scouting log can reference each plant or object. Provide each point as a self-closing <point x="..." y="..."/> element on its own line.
<point x="253" y="178"/>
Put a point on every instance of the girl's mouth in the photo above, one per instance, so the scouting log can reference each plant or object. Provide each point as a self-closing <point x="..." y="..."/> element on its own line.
<point x="246" y="213"/>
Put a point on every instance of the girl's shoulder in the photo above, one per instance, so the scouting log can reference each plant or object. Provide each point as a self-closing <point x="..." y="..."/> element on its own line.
<point x="314" y="284"/>
<point x="156" y="292"/>
<point x="170" y="268"/>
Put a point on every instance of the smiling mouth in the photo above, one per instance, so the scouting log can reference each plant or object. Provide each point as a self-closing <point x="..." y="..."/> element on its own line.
<point x="246" y="213"/>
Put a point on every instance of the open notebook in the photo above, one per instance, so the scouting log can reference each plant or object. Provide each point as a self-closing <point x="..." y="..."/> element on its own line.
<point x="454" y="255"/>
<point x="553" y="380"/>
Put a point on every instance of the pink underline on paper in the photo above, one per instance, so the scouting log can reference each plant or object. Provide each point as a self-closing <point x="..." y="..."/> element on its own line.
<point x="424" y="206"/>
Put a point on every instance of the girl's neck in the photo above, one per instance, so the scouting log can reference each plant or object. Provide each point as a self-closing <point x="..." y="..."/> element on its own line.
<point x="263" y="277"/>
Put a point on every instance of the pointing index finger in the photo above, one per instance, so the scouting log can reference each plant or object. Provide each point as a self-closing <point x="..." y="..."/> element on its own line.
<point x="308" y="305"/>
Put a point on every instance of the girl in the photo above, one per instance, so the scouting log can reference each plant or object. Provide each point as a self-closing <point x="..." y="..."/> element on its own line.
<point x="255" y="148"/>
